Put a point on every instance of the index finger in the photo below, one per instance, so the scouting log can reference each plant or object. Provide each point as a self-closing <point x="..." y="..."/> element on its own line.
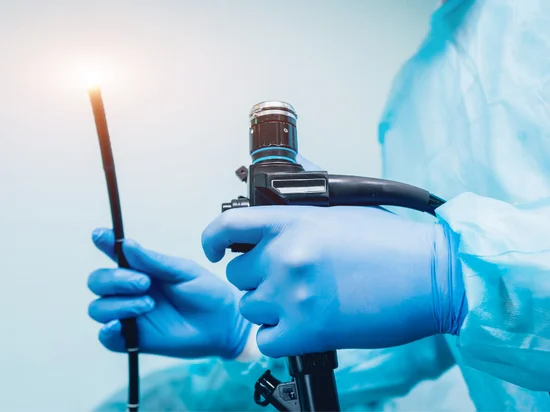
<point x="243" y="225"/>
<point x="164" y="267"/>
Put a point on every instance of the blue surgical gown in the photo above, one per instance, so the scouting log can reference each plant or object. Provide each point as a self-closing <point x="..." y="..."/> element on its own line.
<point x="367" y="380"/>
<point x="468" y="118"/>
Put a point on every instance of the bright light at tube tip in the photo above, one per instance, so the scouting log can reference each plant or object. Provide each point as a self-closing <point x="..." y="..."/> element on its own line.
<point x="92" y="78"/>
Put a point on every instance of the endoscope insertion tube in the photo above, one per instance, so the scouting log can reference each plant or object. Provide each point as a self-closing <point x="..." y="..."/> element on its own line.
<point x="129" y="326"/>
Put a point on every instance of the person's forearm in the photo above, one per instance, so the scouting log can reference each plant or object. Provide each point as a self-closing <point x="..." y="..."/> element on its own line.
<point x="504" y="253"/>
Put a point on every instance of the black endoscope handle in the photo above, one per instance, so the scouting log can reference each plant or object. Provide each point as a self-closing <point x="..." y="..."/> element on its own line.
<point x="315" y="381"/>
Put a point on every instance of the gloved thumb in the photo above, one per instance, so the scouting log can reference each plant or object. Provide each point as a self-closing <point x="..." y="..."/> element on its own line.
<point x="307" y="165"/>
<point x="163" y="267"/>
<point x="111" y="337"/>
<point x="104" y="240"/>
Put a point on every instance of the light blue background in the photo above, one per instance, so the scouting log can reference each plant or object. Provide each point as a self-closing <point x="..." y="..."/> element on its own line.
<point x="184" y="75"/>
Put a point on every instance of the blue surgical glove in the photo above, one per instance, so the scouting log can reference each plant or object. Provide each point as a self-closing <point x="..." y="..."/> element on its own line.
<point x="341" y="277"/>
<point x="182" y="309"/>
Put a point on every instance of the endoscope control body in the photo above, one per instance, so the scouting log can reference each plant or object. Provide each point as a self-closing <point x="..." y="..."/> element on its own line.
<point x="276" y="178"/>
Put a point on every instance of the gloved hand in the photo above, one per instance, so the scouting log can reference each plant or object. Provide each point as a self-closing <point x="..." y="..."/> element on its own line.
<point x="339" y="277"/>
<point x="182" y="309"/>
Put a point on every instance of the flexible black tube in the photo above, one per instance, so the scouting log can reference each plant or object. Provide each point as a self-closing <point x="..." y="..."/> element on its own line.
<point x="129" y="326"/>
<point x="368" y="191"/>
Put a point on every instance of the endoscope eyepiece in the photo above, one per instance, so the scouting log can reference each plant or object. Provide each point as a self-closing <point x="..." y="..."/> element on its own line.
<point x="272" y="107"/>
<point x="273" y="135"/>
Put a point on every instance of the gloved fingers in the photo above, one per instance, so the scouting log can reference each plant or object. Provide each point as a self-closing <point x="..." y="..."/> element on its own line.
<point x="243" y="225"/>
<point x="269" y="341"/>
<point x="164" y="267"/>
<point x="110" y="336"/>
<point x="245" y="272"/>
<point x="104" y="310"/>
<point x="307" y="165"/>
<point x="118" y="282"/>
<point x="104" y="240"/>
<point x="257" y="308"/>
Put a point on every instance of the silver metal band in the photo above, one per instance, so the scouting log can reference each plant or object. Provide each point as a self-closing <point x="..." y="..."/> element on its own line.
<point x="272" y="107"/>
<point x="273" y="111"/>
